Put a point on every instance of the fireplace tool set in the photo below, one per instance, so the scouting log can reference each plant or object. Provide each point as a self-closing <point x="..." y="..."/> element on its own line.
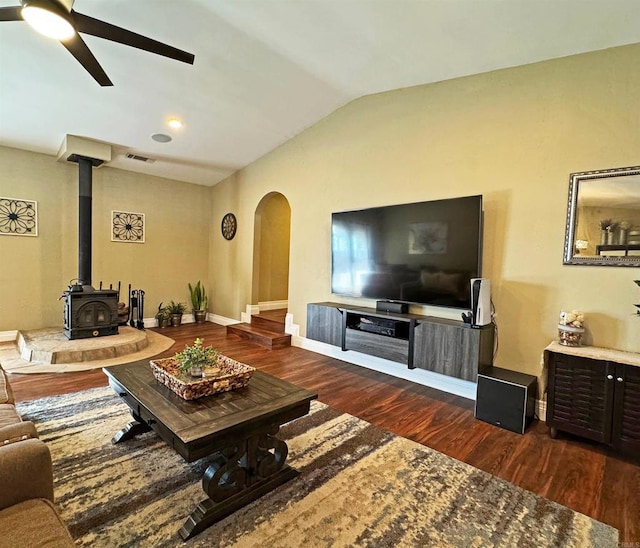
<point x="136" y="306"/>
<point x="133" y="313"/>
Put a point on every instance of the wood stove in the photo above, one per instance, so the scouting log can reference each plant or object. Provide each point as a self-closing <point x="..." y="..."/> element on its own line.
<point x="88" y="312"/>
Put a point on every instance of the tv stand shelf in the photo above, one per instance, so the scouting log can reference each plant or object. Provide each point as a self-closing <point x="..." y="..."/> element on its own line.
<point x="379" y="334"/>
<point x="444" y="346"/>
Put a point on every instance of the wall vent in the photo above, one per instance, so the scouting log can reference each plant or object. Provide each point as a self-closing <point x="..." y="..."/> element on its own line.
<point x="132" y="156"/>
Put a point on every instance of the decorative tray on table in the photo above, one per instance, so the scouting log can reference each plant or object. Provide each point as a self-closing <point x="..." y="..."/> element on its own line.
<point x="225" y="375"/>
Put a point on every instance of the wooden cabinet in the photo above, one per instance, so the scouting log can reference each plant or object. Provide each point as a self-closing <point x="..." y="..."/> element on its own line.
<point x="324" y="323"/>
<point x="451" y="348"/>
<point x="626" y="409"/>
<point x="390" y="348"/>
<point x="580" y="397"/>
<point x="595" y="393"/>
<point x="440" y="345"/>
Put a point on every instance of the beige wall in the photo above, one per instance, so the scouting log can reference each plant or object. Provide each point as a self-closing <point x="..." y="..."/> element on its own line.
<point x="513" y="136"/>
<point x="35" y="271"/>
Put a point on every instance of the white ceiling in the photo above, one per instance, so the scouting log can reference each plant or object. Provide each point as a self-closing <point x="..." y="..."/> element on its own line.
<point x="267" y="69"/>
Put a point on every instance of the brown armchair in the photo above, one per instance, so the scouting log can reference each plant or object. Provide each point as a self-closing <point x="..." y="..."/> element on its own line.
<point x="25" y="465"/>
<point x="27" y="514"/>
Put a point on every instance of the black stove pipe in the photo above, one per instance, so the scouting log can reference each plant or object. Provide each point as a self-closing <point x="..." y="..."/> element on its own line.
<point x="85" y="166"/>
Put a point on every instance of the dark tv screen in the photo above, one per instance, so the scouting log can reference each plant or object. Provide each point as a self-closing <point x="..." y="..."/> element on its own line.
<point x="424" y="253"/>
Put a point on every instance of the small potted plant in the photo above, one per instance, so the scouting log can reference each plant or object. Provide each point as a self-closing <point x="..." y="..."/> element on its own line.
<point x="162" y="316"/>
<point x="176" y="310"/>
<point x="195" y="358"/>
<point x="199" y="301"/>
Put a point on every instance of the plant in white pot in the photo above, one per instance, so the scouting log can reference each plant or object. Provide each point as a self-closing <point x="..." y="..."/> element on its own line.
<point x="199" y="302"/>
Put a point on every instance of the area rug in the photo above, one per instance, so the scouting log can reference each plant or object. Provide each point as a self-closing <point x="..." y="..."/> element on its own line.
<point x="358" y="486"/>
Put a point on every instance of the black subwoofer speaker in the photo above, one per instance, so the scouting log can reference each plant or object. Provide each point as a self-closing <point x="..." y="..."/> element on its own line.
<point x="506" y="398"/>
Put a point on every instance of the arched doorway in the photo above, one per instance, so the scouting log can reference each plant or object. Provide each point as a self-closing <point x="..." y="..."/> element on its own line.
<point x="271" y="239"/>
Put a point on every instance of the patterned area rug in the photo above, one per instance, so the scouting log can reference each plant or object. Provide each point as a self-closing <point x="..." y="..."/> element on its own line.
<point x="358" y="486"/>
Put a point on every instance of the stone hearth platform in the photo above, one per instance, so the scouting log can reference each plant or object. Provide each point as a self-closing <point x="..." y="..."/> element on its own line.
<point x="51" y="346"/>
<point x="49" y="351"/>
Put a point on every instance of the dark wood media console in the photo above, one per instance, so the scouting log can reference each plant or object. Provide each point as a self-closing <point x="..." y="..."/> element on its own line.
<point x="448" y="347"/>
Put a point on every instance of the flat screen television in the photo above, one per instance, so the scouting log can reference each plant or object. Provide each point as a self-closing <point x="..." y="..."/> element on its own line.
<point x="422" y="253"/>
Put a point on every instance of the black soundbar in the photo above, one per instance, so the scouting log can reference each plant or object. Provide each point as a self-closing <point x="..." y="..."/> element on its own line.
<point x="392" y="307"/>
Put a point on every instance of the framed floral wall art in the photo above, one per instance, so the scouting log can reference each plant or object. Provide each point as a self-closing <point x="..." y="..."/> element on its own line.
<point x="127" y="227"/>
<point x="18" y="217"/>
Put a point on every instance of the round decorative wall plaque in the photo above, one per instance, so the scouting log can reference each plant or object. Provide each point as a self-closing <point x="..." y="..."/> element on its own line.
<point x="229" y="226"/>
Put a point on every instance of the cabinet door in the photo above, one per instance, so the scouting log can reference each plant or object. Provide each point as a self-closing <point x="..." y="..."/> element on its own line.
<point x="324" y="324"/>
<point x="389" y="348"/>
<point x="626" y="413"/>
<point x="580" y="396"/>
<point x="447" y="349"/>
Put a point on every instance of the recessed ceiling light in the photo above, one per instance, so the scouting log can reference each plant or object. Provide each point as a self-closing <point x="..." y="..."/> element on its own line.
<point x="174" y="123"/>
<point x="161" y="138"/>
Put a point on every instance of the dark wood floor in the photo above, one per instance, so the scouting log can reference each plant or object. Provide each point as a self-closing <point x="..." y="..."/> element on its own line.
<point x="576" y="473"/>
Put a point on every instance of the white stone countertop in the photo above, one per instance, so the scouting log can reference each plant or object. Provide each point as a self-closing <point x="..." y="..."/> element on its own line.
<point x="596" y="353"/>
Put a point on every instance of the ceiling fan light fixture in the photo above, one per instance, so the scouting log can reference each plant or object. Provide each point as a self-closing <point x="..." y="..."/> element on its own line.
<point x="48" y="19"/>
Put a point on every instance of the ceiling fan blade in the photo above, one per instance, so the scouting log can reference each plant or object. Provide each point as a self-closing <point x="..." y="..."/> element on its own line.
<point x="11" y="14"/>
<point x="102" y="29"/>
<point x="81" y="52"/>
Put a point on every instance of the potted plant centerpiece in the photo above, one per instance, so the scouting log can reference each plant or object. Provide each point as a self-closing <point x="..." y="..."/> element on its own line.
<point x="176" y="310"/>
<point x="200" y="371"/>
<point x="195" y="358"/>
<point x="199" y="301"/>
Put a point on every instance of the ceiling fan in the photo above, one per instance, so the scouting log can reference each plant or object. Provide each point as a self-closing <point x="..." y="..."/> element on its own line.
<point x="57" y="19"/>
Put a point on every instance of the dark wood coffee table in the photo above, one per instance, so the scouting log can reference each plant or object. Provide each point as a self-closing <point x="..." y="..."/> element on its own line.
<point x="238" y="428"/>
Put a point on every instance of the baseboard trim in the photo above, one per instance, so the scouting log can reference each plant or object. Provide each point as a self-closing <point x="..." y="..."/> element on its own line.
<point x="9" y="336"/>
<point x="541" y="410"/>
<point x="273" y="305"/>
<point x="221" y="320"/>
<point x="291" y="328"/>
<point x="250" y="310"/>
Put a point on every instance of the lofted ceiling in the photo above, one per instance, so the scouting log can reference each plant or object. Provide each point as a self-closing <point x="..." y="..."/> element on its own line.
<point x="267" y="69"/>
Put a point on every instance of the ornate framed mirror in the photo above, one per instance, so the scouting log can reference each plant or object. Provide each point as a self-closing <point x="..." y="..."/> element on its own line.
<point x="603" y="218"/>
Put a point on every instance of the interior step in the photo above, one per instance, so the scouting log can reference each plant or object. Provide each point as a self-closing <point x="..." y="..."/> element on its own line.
<point x="272" y="320"/>
<point x="260" y="335"/>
